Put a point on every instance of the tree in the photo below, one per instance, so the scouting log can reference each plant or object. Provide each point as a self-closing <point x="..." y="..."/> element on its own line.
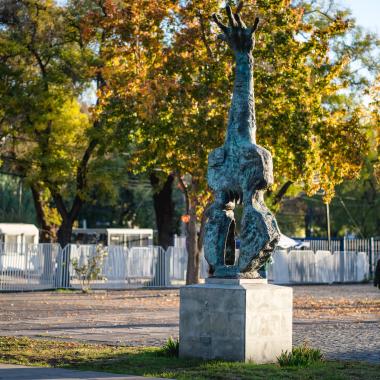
<point x="164" y="209"/>
<point x="47" y="60"/>
<point x="132" y="55"/>
<point x="16" y="204"/>
<point x="356" y="207"/>
<point x="302" y="66"/>
<point x="132" y="206"/>
<point x="37" y="70"/>
<point x="163" y="84"/>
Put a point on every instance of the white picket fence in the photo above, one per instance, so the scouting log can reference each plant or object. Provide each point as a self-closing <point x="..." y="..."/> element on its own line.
<point x="305" y="267"/>
<point x="47" y="266"/>
<point x="124" y="267"/>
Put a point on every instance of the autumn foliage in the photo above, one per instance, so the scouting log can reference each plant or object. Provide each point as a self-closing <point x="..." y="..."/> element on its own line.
<point x="162" y="84"/>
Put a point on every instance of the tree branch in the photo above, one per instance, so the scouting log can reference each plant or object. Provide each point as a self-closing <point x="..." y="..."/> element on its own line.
<point x="202" y="226"/>
<point x="58" y="200"/>
<point x="285" y="187"/>
<point x="203" y="34"/>
<point x="185" y="192"/>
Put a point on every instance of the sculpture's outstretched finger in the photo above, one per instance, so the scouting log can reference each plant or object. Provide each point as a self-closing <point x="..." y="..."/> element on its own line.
<point x="239" y="7"/>
<point x="255" y="25"/>
<point x="230" y="17"/>
<point x="219" y="23"/>
<point x="239" y="21"/>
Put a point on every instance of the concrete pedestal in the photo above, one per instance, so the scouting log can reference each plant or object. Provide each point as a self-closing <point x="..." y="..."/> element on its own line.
<point x="235" y="319"/>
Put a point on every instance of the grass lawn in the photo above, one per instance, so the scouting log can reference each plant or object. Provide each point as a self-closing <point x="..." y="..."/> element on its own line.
<point x="149" y="361"/>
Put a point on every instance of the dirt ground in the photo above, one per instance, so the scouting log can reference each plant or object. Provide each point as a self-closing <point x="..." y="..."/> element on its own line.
<point x="342" y="320"/>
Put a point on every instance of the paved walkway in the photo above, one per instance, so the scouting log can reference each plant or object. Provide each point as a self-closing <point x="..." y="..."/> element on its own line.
<point x="18" y="372"/>
<point x="342" y="320"/>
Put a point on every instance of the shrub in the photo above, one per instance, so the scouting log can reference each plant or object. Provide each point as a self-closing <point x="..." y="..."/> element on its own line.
<point x="170" y="348"/>
<point x="91" y="269"/>
<point x="300" y="356"/>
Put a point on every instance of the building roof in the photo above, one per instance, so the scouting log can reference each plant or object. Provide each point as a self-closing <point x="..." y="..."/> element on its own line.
<point x="18" y="229"/>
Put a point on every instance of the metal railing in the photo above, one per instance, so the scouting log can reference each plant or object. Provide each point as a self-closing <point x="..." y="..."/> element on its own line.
<point x="48" y="266"/>
<point x="31" y="267"/>
<point x="124" y="267"/>
<point x="371" y="246"/>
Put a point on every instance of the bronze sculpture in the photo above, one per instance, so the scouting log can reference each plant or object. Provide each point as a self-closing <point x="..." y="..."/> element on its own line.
<point x="240" y="171"/>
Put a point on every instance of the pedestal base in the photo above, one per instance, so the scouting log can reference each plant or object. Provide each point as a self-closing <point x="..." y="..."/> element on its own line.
<point x="235" y="319"/>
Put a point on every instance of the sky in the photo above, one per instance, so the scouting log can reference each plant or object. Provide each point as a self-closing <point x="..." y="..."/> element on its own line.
<point x="366" y="12"/>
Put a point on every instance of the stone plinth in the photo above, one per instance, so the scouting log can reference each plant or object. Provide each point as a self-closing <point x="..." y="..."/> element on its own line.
<point x="235" y="319"/>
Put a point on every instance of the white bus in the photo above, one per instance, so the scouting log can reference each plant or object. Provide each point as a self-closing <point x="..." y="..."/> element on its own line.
<point x="127" y="237"/>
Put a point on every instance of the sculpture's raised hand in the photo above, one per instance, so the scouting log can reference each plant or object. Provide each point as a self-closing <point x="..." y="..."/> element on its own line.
<point x="239" y="37"/>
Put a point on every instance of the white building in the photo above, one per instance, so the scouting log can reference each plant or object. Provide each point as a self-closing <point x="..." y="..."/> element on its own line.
<point x="18" y="234"/>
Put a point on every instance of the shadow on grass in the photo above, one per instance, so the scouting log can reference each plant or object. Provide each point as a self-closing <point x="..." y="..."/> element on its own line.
<point x="151" y="362"/>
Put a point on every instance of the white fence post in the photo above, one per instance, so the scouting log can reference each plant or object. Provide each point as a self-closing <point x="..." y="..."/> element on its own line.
<point x="372" y="263"/>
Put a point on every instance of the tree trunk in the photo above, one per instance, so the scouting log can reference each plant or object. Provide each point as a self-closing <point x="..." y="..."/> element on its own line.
<point x="68" y="217"/>
<point x="47" y="236"/>
<point x="47" y="230"/>
<point x="193" y="252"/>
<point x="164" y="210"/>
<point x="64" y="238"/>
<point x="64" y="232"/>
<point x="308" y="221"/>
<point x="194" y="241"/>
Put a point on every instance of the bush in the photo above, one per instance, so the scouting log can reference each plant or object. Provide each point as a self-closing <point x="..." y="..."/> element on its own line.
<point x="91" y="268"/>
<point x="170" y="348"/>
<point x="300" y="356"/>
